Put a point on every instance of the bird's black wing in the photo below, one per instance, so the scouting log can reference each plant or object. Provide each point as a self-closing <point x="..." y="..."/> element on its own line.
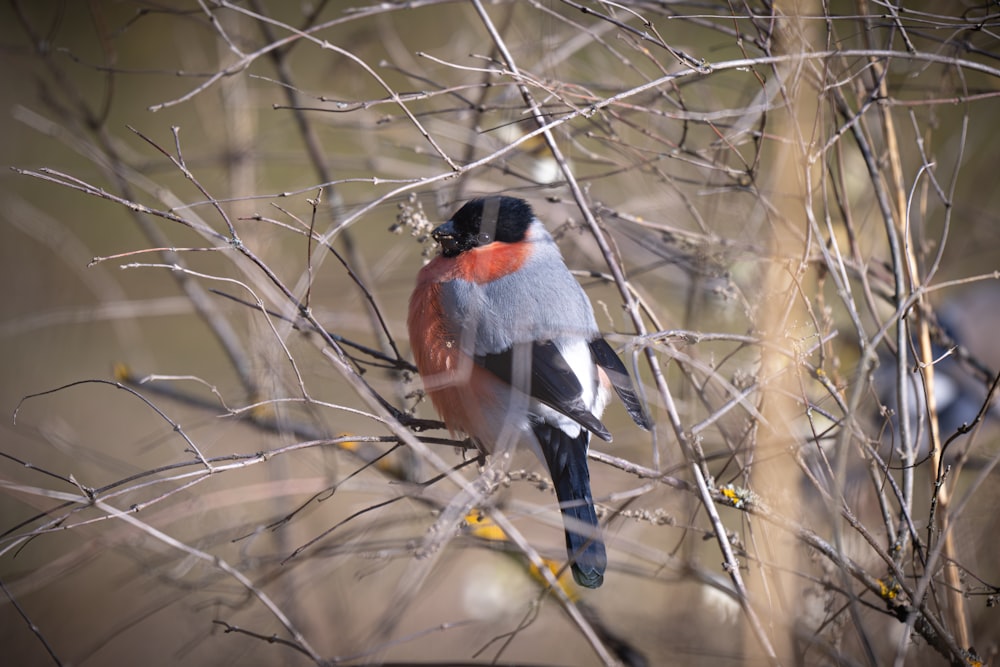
<point x="552" y="381"/>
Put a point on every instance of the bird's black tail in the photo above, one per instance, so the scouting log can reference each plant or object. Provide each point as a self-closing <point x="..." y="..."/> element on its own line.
<point x="566" y="458"/>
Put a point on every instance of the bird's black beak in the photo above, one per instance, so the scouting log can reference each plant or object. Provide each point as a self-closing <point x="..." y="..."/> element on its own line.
<point x="446" y="235"/>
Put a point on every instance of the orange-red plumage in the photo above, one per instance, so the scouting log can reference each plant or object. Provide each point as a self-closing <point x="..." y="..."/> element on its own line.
<point x="461" y="391"/>
<point x="478" y="265"/>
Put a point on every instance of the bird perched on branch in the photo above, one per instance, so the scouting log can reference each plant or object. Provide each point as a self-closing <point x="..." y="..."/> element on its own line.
<point x="509" y="351"/>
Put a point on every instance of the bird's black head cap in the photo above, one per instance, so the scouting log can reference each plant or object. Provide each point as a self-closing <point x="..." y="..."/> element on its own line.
<point x="482" y="221"/>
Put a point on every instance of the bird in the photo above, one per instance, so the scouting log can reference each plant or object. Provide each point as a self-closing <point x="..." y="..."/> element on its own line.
<point x="965" y="353"/>
<point x="509" y="352"/>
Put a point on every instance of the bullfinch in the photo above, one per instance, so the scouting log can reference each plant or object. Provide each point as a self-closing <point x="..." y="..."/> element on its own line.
<point x="510" y="354"/>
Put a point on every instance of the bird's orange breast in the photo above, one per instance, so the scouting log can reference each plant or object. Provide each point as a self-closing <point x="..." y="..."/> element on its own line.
<point x="459" y="389"/>
<point x="478" y="265"/>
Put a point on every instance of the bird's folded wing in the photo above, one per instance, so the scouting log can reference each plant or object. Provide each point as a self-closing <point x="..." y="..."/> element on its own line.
<point x="552" y="381"/>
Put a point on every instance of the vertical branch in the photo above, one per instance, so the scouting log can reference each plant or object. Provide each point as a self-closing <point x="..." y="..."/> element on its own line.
<point x="790" y="174"/>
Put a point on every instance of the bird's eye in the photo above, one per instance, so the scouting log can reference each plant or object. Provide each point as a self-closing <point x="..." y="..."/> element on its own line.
<point x="484" y="238"/>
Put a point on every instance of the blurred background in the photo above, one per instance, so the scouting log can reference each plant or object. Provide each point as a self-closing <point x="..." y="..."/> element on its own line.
<point x="217" y="451"/>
